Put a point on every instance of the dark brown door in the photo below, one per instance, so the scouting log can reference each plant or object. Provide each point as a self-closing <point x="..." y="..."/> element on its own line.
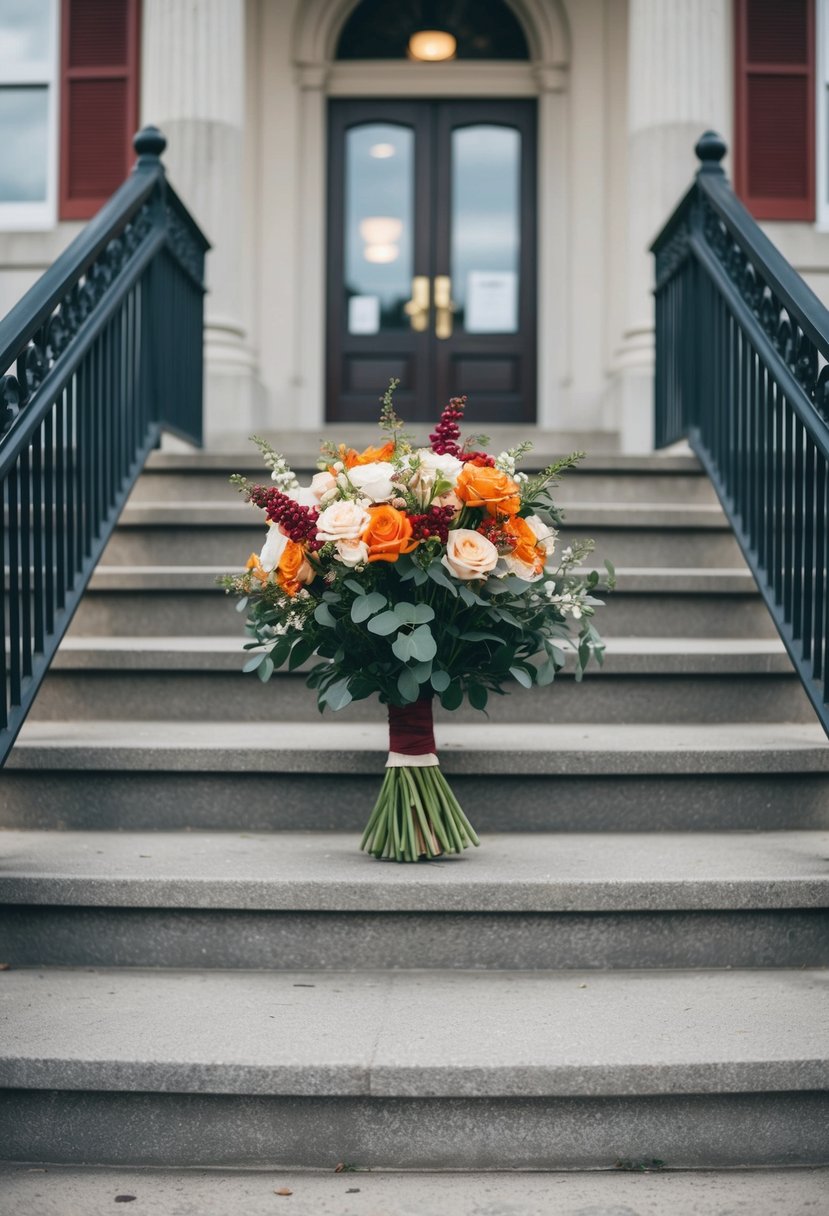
<point x="431" y="258"/>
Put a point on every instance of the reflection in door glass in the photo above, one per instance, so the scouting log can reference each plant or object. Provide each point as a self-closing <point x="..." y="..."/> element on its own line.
<point x="379" y="203"/>
<point x="486" y="163"/>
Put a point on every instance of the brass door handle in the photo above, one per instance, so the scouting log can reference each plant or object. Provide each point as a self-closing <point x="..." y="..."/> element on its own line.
<point x="443" y="306"/>
<point x="417" y="309"/>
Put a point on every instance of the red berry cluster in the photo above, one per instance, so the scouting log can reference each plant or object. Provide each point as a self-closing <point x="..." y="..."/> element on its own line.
<point x="481" y="459"/>
<point x="490" y="529"/>
<point x="434" y="522"/>
<point x="299" y="523"/>
<point x="444" y="438"/>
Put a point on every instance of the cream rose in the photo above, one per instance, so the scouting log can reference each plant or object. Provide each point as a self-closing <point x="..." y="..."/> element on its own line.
<point x="322" y="483"/>
<point x="510" y="564"/>
<point x="272" y="549"/>
<point x="374" y="480"/>
<point x="343" y="520"/>
<point x="304" y="496"/>
<point x="352" y="552"/>
<point x="468" y="554"/>
<point x="545" y="534"/>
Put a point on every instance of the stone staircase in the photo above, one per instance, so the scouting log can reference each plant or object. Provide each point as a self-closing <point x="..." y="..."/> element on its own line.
<point x="205" y="971"/>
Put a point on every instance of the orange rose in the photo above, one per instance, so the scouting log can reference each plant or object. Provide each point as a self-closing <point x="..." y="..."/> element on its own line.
<point x="294" y="569"/>
<point x="528" y="550"/>
<point x="351" y="458"/>
<point x="490" y="488"/>
<point x="256" y="570"/>
<point x="388" y="533"/>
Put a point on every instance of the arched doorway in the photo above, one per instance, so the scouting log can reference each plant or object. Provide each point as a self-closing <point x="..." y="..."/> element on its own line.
<point x="539" y="82"/>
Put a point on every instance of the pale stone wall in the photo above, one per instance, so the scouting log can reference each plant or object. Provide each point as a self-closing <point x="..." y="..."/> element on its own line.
<point x="240" y="88"/>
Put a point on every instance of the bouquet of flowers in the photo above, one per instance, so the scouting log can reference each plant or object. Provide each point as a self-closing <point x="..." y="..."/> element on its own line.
<point x="414" y="573"/>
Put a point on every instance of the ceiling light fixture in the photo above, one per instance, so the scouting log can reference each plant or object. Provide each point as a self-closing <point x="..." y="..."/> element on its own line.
<point x="432" y="46"/>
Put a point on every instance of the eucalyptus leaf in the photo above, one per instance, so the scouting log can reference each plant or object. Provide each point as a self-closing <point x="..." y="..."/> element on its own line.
<point x="478" y="696"/>
<point x="407" y="685"/>
<point x="242" y="605"/>
<point x="545" y="674"/>
<point x="480" y="635"/>
<point x="265" y="669"/>
<point x="421" y="672"/>
<point x="404" y="647"/>
<point x="303" y="649"/>
<point x="384" y="624"/>
<point x="324" y="616"/>
<point x="522" y="676"/>
<point x="441" y="680"/>
<point x="337" y="696"/>
<point x="280" y="651"/>
<point x="366" y="606"/>
<point x="414" y="614"/>
<point x="354" y="586"/>
<point x="253" y="663"/>
<point x="424" y="646"/>
<point x="438" y="575"/>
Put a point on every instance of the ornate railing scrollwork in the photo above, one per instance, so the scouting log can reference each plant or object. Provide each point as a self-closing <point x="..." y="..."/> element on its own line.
<point x="96" y="359"/>
<point x="742" y="370"/>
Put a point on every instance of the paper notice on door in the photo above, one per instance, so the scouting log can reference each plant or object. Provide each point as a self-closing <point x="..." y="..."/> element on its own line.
<point x="491" y="302"/>
<point x="364" y="315"/>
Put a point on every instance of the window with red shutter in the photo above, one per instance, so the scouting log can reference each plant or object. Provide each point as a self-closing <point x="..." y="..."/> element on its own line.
<point x="774" y="141"/>
<point x="99" y="101"/>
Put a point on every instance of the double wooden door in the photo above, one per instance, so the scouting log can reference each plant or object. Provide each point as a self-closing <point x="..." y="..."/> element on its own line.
<point x="431" y="258"/>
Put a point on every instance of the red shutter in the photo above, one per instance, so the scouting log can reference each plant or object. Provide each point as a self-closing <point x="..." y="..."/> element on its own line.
<point x="99" y="101"/>
<point x="775" y="108"/>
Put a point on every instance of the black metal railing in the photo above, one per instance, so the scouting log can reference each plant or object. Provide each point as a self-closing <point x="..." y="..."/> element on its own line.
<point x="99" y="356"/>
<point x="742" y="370"/>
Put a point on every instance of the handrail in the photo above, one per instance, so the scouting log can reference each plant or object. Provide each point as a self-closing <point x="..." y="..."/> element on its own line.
<point x="742" y="371"/>
<point x="98" y="357"/>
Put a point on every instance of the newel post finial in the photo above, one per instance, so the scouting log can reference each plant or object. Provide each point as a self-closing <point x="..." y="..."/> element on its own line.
<point x="149" y="143"/>
<point x="710" y="149"/>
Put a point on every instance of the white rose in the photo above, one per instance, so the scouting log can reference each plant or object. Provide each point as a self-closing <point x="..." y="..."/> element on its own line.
<point x="546" y="535"/>
<point x="432" y="467"/>
<point x="468" y="554"/>
<point x="352" y="552"/>
<point x="509" y="564"/>
<point x="448" y="466"/>
<point x="303" y="495"/>
<point x="322" y="482"/>
<point x="374" y="480"/>
<point x="273" y="548"/>
<point x="343" y="520"/>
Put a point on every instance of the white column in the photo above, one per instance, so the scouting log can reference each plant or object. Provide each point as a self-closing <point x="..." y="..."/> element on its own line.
<point x="193" y="88"/>
<point x="679" y="85"/>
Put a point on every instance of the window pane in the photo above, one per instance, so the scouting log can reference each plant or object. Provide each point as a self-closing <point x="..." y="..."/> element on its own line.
<point x="24" y="140"/>
<point x="379" y="240"/>
<point x="26" y="31"/>
<point x="486" y="186"/>
<point x="378" y="29"/>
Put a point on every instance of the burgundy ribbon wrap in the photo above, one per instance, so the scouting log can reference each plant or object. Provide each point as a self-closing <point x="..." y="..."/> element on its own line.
<point x="411" y="732"/>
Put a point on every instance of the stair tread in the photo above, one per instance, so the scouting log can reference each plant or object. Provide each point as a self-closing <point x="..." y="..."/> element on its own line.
<point x="208" y="513"/>
<point x="324" y="871"/>
<point x="658" y="656"/>
<point x="415" y="1033"/>
<point x="516" y="749"/>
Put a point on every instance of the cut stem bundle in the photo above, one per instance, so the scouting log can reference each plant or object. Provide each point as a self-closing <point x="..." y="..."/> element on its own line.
<point x="417" y="816"/>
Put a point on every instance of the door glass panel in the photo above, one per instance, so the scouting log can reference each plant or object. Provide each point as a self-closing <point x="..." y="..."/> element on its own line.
<point x="485" y="237"/>
<point x="379" y="228"/>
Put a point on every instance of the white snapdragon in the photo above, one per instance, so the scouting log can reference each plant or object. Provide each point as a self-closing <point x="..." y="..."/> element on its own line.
<point x="273" y="548"/>
<point x="304" y="496"/>
<point x="429" y="469"/>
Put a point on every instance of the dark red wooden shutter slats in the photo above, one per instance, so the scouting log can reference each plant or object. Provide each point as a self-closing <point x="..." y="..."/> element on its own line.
<point x="99" y="101"/>
<point x="775" y="108"/>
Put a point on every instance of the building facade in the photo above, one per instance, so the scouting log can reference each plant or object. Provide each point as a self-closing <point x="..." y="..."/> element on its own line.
<point x="474" y="223"/>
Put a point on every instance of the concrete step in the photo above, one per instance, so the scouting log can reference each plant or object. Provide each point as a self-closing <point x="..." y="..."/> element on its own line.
<point x="311" y="900"/>
<point x="642" y="534"/>
<point x="687" y="601"/>
<point x="651" y="680"/>
<point x="511" y="777"/>
<point x="599" y="479"/>
<point x="414" y="1069"/>
<point x="634" y="1187"/>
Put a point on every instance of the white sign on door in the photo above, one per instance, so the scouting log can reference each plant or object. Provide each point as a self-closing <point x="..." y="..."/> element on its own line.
<point x="364" y="315"/>
<point x="491" y="302"/>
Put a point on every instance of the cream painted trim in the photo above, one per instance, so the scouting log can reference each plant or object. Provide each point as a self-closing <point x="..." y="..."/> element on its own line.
<point x="319" y="76"/>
